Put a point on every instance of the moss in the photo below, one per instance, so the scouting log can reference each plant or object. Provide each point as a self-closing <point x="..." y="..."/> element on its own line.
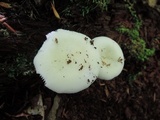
<point x="16" y="65"/>
<point x="138" y="48"/>
<point x="85" y="7"/>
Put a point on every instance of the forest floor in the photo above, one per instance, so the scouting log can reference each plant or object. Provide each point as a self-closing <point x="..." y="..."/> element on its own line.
<point x="133" y="95"/>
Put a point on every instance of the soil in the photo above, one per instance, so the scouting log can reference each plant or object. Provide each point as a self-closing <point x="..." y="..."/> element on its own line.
<point x="133" y="95"/>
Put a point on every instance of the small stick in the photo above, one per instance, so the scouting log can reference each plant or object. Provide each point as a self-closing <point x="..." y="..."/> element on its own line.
<point x="9" y="27"/>
<point x="2" y="21"/>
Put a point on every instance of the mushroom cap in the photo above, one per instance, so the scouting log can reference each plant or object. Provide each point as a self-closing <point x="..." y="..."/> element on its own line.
<point x="112" y="58"/>
<point x="67" y="62"/>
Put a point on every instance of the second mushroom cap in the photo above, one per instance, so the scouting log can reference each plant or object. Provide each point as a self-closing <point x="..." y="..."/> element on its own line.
<point x="112" y="58"/>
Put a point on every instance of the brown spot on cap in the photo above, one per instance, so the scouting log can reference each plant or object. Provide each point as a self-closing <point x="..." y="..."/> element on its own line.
<point x="88" y="81"/>
<point x="69" y="61"/>
<point x="56" y="40"/>
<point x="85" y="38"/>
<point x="92" y="42"/>
<point x="87" y="55"/>
<point x="81" y="67"/>
<point x="92" y="81"/>
<point x="105" y="64"/>
<point x="89" y="67"/>
<point x="120" y="60"/>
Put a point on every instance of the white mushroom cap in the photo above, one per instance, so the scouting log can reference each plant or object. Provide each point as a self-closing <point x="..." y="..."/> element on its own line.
<point x="67" y="62"/>
<point x="112" y="58"/>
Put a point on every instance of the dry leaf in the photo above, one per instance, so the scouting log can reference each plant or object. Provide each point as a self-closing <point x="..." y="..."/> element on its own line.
<point x="106" y="91"/>
<point x="154" y="97"/>
<point x="5" y="5"/>
<point x="53" y="112"/>
<point x="55" y="11"/>
<point x="9" y="27"/>
<point x="37" y="108"/>
<point x="138" y="82"/>
<point x="127" y="90"/>
<point x="102" y="84"/>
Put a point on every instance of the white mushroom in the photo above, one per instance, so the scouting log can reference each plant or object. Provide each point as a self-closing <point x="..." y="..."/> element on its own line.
<point x="67" y="62"/>
<point x="112" y="58"/>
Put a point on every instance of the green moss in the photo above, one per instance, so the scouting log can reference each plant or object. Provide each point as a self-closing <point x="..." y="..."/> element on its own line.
<point x="90" y="5"/>
<point x="132" y="77"/>
<point x="84" y="7"/>
<point x="16" y="65"/>
<point x="102" y="3"/>
<point x="138" y="48"/>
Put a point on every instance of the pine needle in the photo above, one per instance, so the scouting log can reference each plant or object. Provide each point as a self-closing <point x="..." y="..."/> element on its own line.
<point x="55" y="11"/>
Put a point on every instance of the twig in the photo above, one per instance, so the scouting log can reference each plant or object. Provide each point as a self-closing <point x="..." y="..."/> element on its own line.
<point x="9" y="27"/>
<point x="2" y="21"/>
